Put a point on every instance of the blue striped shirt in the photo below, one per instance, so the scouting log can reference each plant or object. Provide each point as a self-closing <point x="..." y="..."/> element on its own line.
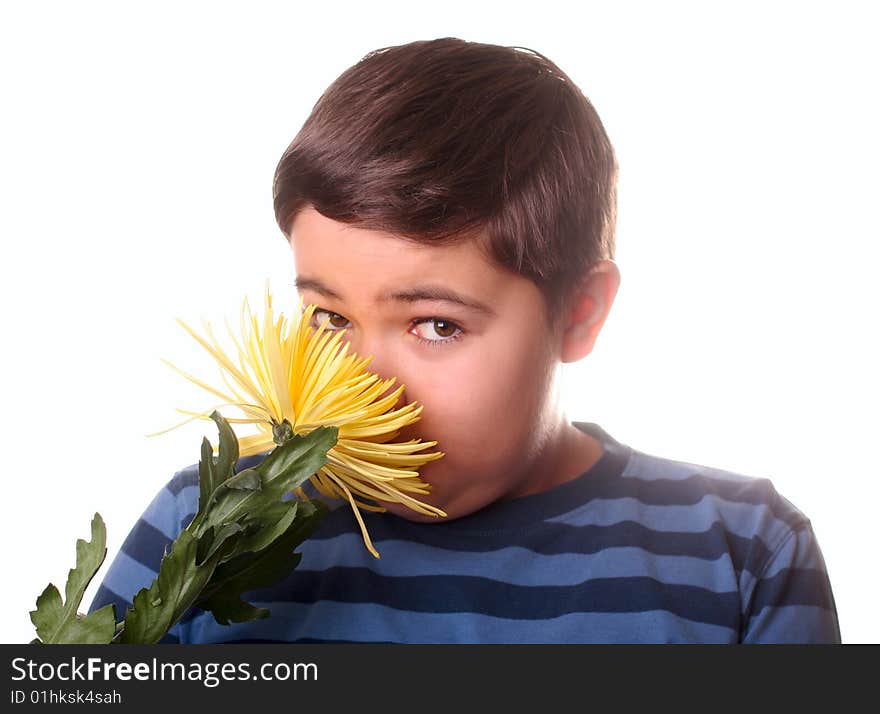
<point x="638" y="549"/>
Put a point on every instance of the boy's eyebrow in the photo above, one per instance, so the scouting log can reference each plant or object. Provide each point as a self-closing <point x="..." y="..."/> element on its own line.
<point x="435" y="293"/>
<point x="438" y="294"/>
<point x="316" y="286"/>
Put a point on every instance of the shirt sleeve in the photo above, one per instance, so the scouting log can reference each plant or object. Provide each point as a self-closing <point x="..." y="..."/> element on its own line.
<point x="792" y="602"/>
<point x="137" y="562"/>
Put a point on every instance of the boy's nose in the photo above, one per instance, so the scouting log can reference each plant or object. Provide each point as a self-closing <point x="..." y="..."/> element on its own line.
<point x="385" y="374"/>
<point x="382" y="365"/>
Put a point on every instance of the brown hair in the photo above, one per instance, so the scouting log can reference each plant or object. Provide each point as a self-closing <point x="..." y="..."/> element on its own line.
<point x="442" y="140"/>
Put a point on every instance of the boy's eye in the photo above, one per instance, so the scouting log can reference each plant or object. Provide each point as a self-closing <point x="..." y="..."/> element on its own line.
<point x="337" y="321"/>
<point x="429" y="330"/>
<point x="438" y="330"/>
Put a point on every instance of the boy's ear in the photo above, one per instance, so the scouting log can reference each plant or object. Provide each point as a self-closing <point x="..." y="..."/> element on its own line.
<point x="588" y="310"/>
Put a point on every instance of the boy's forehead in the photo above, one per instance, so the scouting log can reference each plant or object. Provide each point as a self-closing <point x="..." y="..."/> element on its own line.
<point x="350" y="262"/>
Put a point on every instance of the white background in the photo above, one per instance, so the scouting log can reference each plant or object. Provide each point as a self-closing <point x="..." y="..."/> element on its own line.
<point x="136" y="156"/>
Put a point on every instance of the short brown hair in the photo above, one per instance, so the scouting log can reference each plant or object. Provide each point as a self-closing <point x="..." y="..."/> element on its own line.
<point x="440" y="140"/>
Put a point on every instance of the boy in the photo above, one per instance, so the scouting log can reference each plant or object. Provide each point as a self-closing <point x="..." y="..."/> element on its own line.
<point x="452" y="207"/>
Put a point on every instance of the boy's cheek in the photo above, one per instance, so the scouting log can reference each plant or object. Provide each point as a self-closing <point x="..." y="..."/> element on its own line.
<point x="479" y="404"/>
<point x="474" y="398"/>
<point x="471" y="432"/>
<point x="460" y="407"/>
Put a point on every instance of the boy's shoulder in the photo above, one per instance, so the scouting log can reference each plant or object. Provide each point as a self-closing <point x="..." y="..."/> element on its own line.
<point x="742" y="500"/>
<point x="700" y="503"/>
<point x="664" y="480"/>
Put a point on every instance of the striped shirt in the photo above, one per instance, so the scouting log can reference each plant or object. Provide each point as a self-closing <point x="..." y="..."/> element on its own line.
<point x="638" y="549"/>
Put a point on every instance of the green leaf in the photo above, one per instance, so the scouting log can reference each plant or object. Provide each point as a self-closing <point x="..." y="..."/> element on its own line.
<point x="233" y="609"/>
<point x="247" y="480"/>
<point x="178" y="585"/>
<point x="269" y="526"/>
<point x="208" y="480"/>
<point x="59" y="622"/>
<point x="214" y="471"/>
<point x="227" y="457"/>
<point x="212" y="539"/>
<point x="219" y="539"/>
<point x="283" y="470"/>
<point x="148" y="618"/>
<point x="290" y="462"/>
<point x="252" y="570"/>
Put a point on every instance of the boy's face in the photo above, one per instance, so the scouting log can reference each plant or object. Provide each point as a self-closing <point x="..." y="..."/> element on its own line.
<point x="468" y="339"/>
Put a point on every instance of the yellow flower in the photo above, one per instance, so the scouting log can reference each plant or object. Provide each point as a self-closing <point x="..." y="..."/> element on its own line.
<point x="288" y="370"/>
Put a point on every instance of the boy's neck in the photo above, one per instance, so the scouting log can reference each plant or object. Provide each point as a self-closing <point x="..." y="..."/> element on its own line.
<point x="572" y="453"/>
